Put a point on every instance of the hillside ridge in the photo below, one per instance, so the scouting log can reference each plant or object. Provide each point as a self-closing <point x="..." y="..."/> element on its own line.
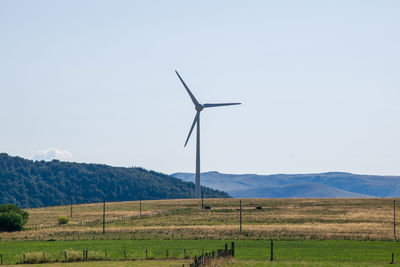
<point x="328" y="184"/>
<point x="28" y="183"/>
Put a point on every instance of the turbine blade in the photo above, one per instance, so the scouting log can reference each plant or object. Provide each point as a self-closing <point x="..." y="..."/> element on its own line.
<point x="196" y="119"/>
<point x="220" y="105"/>
<point x="195" y="102"/>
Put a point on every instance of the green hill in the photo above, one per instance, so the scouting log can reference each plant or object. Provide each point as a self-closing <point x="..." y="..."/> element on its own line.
<point x="28" y="183"/>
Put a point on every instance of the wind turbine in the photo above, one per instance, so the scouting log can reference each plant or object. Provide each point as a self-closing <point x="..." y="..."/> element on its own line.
<point x="199" y="107"/>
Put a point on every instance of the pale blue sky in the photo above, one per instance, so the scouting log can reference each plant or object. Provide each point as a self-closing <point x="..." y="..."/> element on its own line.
<point x="319" y="82"/>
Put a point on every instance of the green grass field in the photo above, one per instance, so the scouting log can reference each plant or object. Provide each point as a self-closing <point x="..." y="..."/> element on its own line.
<point x="248" y="252"/>
<point x="225" y="263"/>
<point x="144" y="263"/>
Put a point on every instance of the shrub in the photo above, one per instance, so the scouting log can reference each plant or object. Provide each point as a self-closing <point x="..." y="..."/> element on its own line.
<point x="63" y="220"/>
<point x="10" y="208"/>
<point x="10" y="222"/>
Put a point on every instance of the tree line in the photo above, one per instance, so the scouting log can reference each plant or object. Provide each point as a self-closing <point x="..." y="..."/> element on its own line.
<point x="28" y="183"/>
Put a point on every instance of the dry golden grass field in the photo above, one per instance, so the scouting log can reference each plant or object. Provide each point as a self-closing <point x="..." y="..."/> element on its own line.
<point x="279" y="219"/>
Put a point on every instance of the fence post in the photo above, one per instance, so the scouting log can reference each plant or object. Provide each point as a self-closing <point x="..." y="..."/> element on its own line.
<point x="1" y="259"/>
<point x="140" y="207"/>
<point x="394" y="219"/>
<point x="184" y="253"/>
<point x="124" y="253"/>
<point x="233" y="249"/>
<point x="105" y="253"/>
<point x="272" y="250"/>
<point x="104" y="216"/>
<point x="44" y="257"/>
<point x="23" y="258"/>
<point x="202" y="203"/>
<point x="240" y="216"/>
<point x="70" y="215"/>
<point x="392" y="258"/>
<point x="65" y="255"/>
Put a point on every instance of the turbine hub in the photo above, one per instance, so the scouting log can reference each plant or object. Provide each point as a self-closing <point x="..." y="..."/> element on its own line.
<point x="199" y="107"/>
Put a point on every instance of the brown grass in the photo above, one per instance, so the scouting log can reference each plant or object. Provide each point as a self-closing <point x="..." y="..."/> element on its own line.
<point x="176" y="219"/>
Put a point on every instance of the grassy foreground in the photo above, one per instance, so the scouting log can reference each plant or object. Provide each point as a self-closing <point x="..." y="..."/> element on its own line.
<point x="247" y="251"/>
<point x="258" y="263"/>
<point x="224" y="263"/>
<point x="148" y="263"/>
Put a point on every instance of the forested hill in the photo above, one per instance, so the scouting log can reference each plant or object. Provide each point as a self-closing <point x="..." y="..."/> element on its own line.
<point x="28" y="183"/>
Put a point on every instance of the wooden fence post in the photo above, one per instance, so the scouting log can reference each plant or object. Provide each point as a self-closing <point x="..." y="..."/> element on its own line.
<point x="272" y="250"/>
<point x="392" y="258"/>
<point x="104" y="216"/>
<point x="167" y="253"/>
<point x="65" y="255"/>
<point x="394" y="219"/>
<point x="1" y="259"/>
<point x="70" y="215"/>
<point x="23" y="258"/>
<point x="233" y="249"/>
<point x="124" y="253"/>
<point x="202" y="201"/>
<point x="240" y="216"/>
<point x="44" y="257"/>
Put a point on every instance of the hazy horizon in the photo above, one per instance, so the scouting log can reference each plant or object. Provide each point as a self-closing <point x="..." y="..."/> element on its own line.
<point x="192" y="172"/>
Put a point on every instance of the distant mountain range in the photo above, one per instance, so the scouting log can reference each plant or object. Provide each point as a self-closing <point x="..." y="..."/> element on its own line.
<point x="316" y="185"/>
<point x="28" y="183"/>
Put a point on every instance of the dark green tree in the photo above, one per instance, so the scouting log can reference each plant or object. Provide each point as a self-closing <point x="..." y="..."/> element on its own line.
<point x="12" y="218"/>
<point x="10" y="222"/>
<point x="10" y="208"/>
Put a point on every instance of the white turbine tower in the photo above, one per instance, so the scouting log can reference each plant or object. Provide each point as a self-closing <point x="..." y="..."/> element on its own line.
<point x="199" y="107"/>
